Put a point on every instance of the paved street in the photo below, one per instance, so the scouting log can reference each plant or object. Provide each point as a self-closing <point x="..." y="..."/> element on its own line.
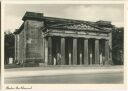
<point x="79" y="75"/>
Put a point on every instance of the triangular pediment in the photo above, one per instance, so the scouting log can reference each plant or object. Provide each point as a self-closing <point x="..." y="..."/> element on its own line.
<point x="72" y="25"/>
<point x="83" y="27"/>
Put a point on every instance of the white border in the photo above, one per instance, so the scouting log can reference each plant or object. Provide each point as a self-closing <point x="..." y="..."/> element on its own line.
<point x="62" y="2"/>
<point x="81" y="87"/>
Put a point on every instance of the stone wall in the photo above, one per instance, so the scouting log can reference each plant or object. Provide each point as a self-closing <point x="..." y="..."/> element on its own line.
<point x="34" y="41"/>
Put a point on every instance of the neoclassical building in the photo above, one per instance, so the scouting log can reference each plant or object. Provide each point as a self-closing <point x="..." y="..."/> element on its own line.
<point x="58" y="41"/>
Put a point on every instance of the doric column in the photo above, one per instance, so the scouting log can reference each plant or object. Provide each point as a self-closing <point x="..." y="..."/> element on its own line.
<point x="50" y="50"/>
<point x="63" y="51"/>
<point x="110" y="49"/>
<point x="97" y="55"/>
<point x="15" y="47"/>
<point x="75" y="51"/>
<point x="24" y="51"/>
<point x="46" y="50"/>
<point x="18" y="54"/>
<point x="86" y="60"/>
<point x="106" y="52"/>
<point x="43" y="49"/>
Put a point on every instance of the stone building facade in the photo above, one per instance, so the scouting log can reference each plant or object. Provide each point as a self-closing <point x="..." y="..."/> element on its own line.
<point x="57" y="41"/>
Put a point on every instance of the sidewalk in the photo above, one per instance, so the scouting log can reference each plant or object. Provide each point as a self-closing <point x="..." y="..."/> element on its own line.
<point x="49" y="71"/>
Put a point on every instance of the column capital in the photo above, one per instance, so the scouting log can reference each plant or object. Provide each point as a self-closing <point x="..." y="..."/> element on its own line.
<point x="85" y="38"/>
<point x="97" y="39"/>
<point x="62" y="37"/>
<point x="74" y="37"/>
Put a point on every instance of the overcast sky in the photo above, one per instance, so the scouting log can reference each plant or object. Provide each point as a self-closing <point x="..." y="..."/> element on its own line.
<point x="92" y="12"/>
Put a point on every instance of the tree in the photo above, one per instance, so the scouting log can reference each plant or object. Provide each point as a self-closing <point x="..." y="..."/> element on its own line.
<point x="118" y="45"/>
<point x="9" y="40"/>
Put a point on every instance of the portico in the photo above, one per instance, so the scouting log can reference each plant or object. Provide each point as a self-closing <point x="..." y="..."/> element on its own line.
<point x="75" y="50"/>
